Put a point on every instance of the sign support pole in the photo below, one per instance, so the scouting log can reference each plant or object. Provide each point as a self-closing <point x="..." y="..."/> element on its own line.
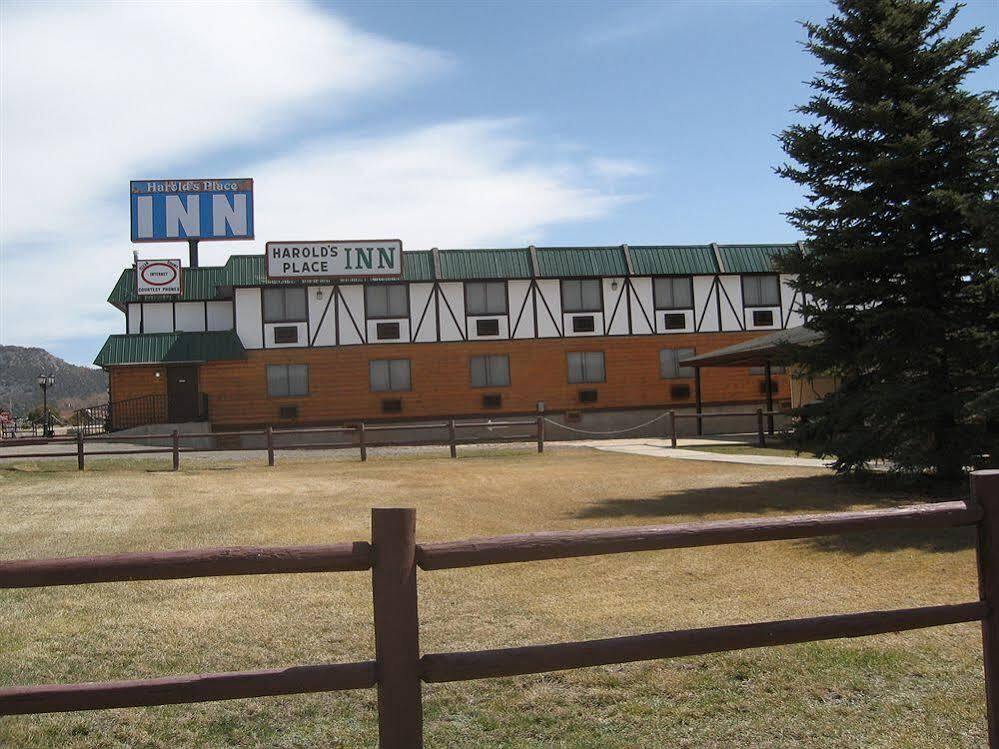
<point x="193" y="260"/>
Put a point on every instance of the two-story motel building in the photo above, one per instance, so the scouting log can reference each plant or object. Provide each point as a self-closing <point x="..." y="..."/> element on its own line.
<point x="577" y="330"/>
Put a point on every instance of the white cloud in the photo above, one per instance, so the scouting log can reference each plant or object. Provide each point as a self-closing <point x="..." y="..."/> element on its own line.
<point x="608" y="168"/>
<point x="93" y="96"/>
<point x="96" y="94"/>
<point x="458" y="184"/>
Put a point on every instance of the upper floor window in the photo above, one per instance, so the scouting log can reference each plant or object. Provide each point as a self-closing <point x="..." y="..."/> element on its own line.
<point x="287" y="379"/>
<point x="386" y="300"/>
<point x="284" y="304"/>
<point x="669" y="363"/>
<point x="582" y="295"/>
<point x="586" y="366"/>
<point x="485" y="298"/>
<point x="760" y="291"/>
<point x="389" y="374"/>
<point x="490" y="371"/>
<point x="674" y="292"/>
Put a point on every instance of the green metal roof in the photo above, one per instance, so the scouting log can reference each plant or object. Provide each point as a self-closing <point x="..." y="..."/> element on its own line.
<point x="751" y="258"/>
<point x="457" y="265"/>
<point x="159" y="348"/>
<point x="568" y="262"/>
<point x="553" y="262"/>
<point x="673" y="260"/>
<point x="197" y="284"/>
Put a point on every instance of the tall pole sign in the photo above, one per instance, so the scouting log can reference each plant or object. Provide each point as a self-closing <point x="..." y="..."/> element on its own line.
<point x="177" y="210"/>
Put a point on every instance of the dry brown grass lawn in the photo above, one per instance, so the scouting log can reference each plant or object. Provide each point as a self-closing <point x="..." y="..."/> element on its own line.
<point x="920" y="689"/>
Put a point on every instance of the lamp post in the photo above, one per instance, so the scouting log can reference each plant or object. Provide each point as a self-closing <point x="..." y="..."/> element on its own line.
<point x="45" y="381"/>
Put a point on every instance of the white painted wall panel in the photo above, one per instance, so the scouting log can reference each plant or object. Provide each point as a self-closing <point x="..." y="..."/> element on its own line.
<point x="321" y="315"/>
<point x="249" y="318"/>
<point x="220" y="316"/>
<point x="134" y="318"/>
<point x="550" y="316"/>
<point x="351" y="303"/>
<point x="705" y="304"/>
<point x="423" y="320"/>
<point x="303" y="334"/>
<point x="522" y="307"/>
<point x="473" y="334"/>
<point x="191" y="316"/>
<point x="403" y="330"/>
<point x="792" y="312"/>
<point x="642" y="306"/>
<point x="567" y="324"/>
<point x="615" y="306"/>
<point x="731" y="303"/>
<point x="452" y="311"/>
<point x="157" y="317"/>
<point x="688" y="320"/>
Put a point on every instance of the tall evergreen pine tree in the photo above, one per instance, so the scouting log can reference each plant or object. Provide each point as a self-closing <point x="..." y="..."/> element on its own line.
<point x="900" y="162"/>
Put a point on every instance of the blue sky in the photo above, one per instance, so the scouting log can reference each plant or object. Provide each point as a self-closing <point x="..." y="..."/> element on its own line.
<point x="447" y="124"/>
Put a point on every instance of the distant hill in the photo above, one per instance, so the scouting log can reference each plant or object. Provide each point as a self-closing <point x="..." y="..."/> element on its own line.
<point x="75" y="387"/>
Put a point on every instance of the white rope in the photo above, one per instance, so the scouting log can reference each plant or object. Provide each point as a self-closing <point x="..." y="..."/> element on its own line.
<point x="613" y="431"/>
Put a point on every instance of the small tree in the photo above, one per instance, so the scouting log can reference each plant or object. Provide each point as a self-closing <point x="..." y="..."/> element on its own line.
<point x="899" y="161"/>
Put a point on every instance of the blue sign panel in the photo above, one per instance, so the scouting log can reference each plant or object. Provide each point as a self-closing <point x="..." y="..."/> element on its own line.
<point x="172" y="210"/>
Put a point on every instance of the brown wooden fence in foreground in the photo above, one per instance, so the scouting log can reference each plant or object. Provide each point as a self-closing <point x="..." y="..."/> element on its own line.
<point x="398" y="670"/>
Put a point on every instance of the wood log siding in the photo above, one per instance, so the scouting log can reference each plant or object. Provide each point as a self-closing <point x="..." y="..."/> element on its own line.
<point x="393" y="556"/>
<point x="339" y="387"/>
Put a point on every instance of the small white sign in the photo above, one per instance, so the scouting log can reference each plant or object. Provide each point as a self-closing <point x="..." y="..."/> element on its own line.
<point x="157" y="277"/>
<point x="365" y="257"/>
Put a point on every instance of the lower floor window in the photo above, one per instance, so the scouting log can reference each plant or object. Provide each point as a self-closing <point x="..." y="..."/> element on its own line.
<point x="669" y="363"/>
<point x="287" y="379"/>
<point x="389" y="374"/>
<point x="490" y="371"/>
<point x="586" y="366"/>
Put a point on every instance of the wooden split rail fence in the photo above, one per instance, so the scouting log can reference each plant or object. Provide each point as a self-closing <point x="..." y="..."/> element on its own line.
<point x="360" y="438"/>
<point x="398" y="670"/>
<point x="360" y="434"/>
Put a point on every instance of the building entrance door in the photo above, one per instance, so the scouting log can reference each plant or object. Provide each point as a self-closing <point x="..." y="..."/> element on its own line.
<point x="182" y="394"/>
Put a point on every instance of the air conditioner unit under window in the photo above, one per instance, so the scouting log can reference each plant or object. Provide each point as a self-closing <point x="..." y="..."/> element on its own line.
<point x="583" y="324"/>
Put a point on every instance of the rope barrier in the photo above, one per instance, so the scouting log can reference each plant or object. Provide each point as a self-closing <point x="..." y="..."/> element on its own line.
<point x="612" y="431"/>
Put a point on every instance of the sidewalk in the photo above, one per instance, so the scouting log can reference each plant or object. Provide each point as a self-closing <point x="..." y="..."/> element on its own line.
<point x="658" y="448"/>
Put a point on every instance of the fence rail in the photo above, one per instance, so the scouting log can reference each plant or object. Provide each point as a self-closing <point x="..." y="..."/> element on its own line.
<point x="393" y="556"/>
<point x="360" y="441"/>
<point x="361" y="435"/>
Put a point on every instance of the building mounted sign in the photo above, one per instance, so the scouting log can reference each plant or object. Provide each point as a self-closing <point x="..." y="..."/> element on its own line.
<point x="157" y="277"/>
<point x="172" y="210"/>
<point x="369" y="258"/>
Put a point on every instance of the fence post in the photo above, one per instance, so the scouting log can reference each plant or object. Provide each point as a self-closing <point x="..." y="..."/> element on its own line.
<point x="761" y="440"/>
<point x="672" y="429"/>
<point x="985" y="491"/>
<point x="451" y="438"/>
<point x="541" y="434"/>
<point x="397" y="628"/>
<point x="360" y="441"/>
<point x="270" y="446"/>
<point x="79" y="449"/>
<point x="176" y="449"/>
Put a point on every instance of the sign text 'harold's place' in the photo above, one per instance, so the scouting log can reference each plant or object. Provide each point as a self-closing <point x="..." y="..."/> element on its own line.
<point x="368" y="257"/>
<point x="170" y="210"/>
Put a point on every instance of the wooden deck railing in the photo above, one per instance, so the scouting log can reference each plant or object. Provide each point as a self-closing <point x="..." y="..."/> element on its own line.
<point x="393" y="556"/>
